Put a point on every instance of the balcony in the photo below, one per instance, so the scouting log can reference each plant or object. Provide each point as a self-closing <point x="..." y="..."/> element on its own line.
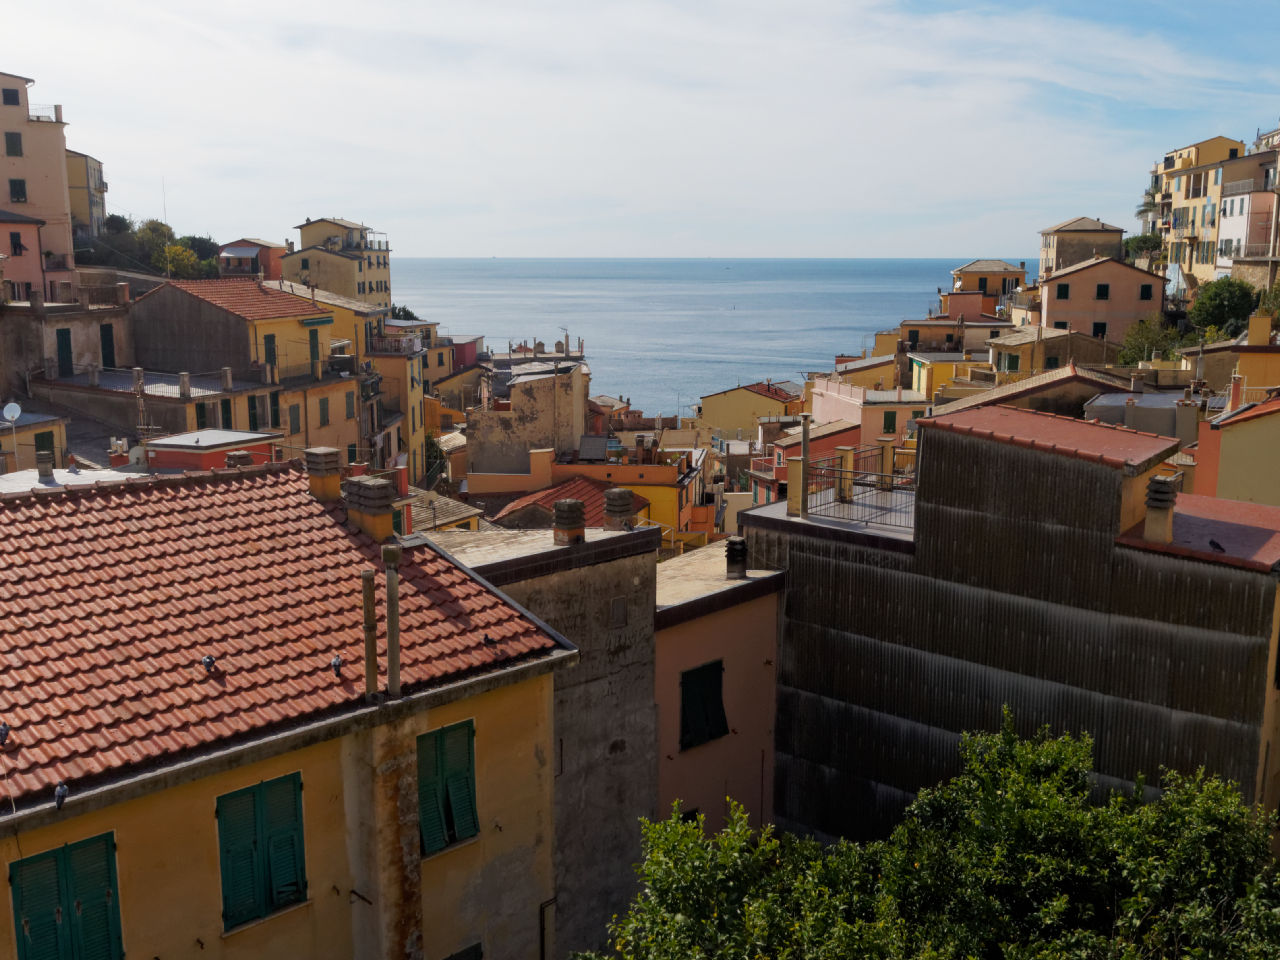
<point x="1186" y="230"/>
<point x="56" y="261"/>
<point x="1237" y="187"/>
<point x="46" y="112"/>
<point x="1256" y="251"/>
<point x="398" y="346"/>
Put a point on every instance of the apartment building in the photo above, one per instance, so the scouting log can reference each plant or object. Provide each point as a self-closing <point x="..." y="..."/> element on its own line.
<point x="346" y="258"/>
<point x="1080" y="238"/>
<point x="87" y="194"/>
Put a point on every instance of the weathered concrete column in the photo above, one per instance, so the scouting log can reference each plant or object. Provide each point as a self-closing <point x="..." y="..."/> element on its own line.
<point x="886" y="460"/>
<point x="795" y="486"/>
<point x="94" y="375"/>
<point x="184" y="385"/>
<point x="227" y="383"/>
<point x="398" y="852"/>
<point x="844" y="489"/>
<point x="804" y="464"/>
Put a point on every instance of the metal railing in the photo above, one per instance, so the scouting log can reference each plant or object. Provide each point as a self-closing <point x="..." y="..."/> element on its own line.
<point x="861" y="496"/>
<point x="42" y="111"/>
<point x="1237" y="187"/>
<point x="396" y="345"/>
<point x="1253" y="250"/>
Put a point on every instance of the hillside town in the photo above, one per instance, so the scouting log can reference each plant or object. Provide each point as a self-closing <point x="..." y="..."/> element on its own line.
<point x="328" y="634"/>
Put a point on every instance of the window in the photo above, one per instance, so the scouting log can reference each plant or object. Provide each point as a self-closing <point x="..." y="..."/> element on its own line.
<point x="351" y="453"/>
<point x="202" y="416"/>
<point x="1060" y="325"/>
<point x="360" y="287"/>
<point x="295" y="418"/>
<point x="17" y="191"/>
<point x="15" y="243"/>
<point x="618" y="612"/>
<point x="1100" y="330"/>
<point x="13" y="144"/>
<point x="1011" y="361"/>
<point x="702" y="716"/>
<point x="11" y="97"/>
<point x="306" y="263"/>
<point x="440" y="360"/>
<point x="269" y="348"/>
<point x="890" y="421"/>
<point x="324" y="411"/>
<point x="1103" y="292"/>
<point x="275" y="408"/>
<point x="917" y="414"/>
<point x="253" y="413"/>
<point x="1051" y="363"/>
<point x="1144" y="292"/>
<point x="66" y="904"/>
<point x="313" y="345"/>
<point x="351" y="404"/>
<point x="447" y="786"/>
<point x="1217" y="176"/>
<point x="982" y="284"/>
<point x="951" y="338"/>
<point x="225" y="407"/>
<point x="1063" y="292"/>
<point x="260" y="849"/>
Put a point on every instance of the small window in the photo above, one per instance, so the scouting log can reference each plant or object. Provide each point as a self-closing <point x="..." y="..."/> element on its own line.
<point x="351" y="404"/>
<point x="275" y="409"/>
<point x="447" y="787"/>
<point x="202" y="416"/>
<point x="13" y="144"/>
<point x="253" y="413"/>
<point x="66" y="902"/>
<point x="618" y="612"/>
<point x="17" y="191"/>
<point x="324" y="411"/>
<point x="1051" y="363"/>
<point x="1103" y="292"/>
<point x="1063" y="292"/>
<point x="306" y="263"/>
<point x="1100" y="331"/>
<point x="15" y="243"/>
<point x="1011" y="361"/>
<point x="351" y="453"/>
<point x="295" y="418"/>
<point x="951" y="338"/>
<point x="702" y="717"/>
<point x="1060" y="325"/>
<point x="982" y="284"/>
<point x="917" y="414"/>
<point x="261" y="851"/>
<point x="440" y="360"/>
<point x="11" y="97"/>
<point x="269" y="348"/>
<point x="1144" y="292"/>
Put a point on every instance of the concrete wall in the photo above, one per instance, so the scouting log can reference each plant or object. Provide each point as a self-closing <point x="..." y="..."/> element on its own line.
<point x="176" y="332"/>
<point x="548" y="412"/>
<point x="86" y="337"/>
<point x="1249" y="461"/>
<point x="740" y="765"/>
<point x="606" y="736"/>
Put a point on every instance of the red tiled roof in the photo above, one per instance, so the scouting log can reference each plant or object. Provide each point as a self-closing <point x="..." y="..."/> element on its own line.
<point x="1247" y="533"/>
<point x="770" y="391"/>
<point x="589" y="491"/>
<point x="1263" y="409"/>
<point x="114" y="593"/>
<point x="1114" y="446"/>
<point x="249" y="299"/>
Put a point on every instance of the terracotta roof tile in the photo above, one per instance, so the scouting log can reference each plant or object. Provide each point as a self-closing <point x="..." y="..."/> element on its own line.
<point x="589" y="491"/>
<point x="114" y="595"/>
<point x="249" y="299"/>
<point x="1232" y="532"/>
<point x="1108" y="444"/>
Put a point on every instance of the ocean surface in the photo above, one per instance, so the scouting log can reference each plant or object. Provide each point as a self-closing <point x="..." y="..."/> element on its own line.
<point x="665" y="332"/>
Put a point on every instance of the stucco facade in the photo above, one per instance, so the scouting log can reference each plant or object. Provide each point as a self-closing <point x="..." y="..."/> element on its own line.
<point x="1101" y="298"/>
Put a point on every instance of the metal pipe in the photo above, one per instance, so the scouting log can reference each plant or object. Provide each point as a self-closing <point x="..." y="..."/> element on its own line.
<point x="391" y="560"/>
<point x="370" y="634"/>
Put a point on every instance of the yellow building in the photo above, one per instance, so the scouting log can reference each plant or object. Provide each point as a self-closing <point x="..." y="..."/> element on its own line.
<point x="1184" y="184"/>
<point x="737" y="409"/>
<point x="343" y="257"/>
<point x="88" y="195"/>
<point x="931" y="372"/>
<point x="251" y="791"/>
<point x="32" y="432"/>
<point x="992" y="277"/>
<point x="874" y="373"/>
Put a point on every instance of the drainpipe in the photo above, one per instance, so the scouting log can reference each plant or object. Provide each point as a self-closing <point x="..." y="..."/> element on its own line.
<point x="44" y="282"/>
<point x="391" y="560"/>
<point x="804" y="465"/>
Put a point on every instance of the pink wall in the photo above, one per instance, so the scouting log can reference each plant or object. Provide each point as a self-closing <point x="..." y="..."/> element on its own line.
<point x="739" y="765"/>
<point x="25" y="269"/>
<point x="1122" y="308"/>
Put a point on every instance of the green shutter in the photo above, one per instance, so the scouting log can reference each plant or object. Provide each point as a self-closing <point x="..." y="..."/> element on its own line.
<point x="430" y="794"/>
<point x="281" y="802"/>
<point x="242" y="881"/>
<point x="702" y="716"/>
<point x="40" y="927"/>
<point x="94" y="899"/>
<point x="202" y="416"/>
<point x="460" y="779"/>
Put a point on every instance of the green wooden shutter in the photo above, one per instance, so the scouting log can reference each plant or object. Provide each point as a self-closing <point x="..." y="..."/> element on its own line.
<point x="282" y="835"/>
<point x="39" y="923"/>
<point x="94" y="907"/>
<point x="242" y="881"/>
<point x="460" y="778"/>
<point x="713" y="701"/>
<point x="430" y="794"/>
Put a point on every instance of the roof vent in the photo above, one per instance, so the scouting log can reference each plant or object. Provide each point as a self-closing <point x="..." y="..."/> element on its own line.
<point x="1162" y="495"/>
<point x="44" y="464"/>
<point x="735" y="554"/>
<point x="569" y="523"/>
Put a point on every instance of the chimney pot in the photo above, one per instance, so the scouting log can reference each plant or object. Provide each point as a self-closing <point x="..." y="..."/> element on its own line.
<point x="1162" y="495"/>
<point x="735" y="554"/>
<point x="569" y="523"/>
<point x="239" y="458"/>
<point x="44" y="464"/>
<point x="618" y="508"/>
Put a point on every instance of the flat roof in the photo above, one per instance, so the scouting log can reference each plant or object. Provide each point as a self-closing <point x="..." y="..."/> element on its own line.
<point x="1109" y="444"/>
<point x="702" y="573"/>
<point x="23" y="481"/>
<point x="1232" y="532"/>
<point x="1159" y="399"/>
<point x="211" y="438"/>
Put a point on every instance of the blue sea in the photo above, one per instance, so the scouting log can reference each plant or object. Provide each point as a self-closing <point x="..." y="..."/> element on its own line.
<point x="664" y="332"/>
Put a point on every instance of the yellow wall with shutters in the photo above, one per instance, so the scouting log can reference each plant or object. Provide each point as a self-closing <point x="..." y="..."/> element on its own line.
<point x="488" y="888"/>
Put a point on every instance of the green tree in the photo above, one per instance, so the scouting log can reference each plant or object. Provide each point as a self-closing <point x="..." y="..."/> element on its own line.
<point x="205" y="248"/>
<point x="1147" y="336"/>
<point x="116" y="224"/>
<point x="403" y="313"/>
<point x="1142" y="245"/>
<point x="1013" y="859"/>
<point x="1224" y="303"/>
<point x="153" y="236"/>
<point x="176" y="261"/>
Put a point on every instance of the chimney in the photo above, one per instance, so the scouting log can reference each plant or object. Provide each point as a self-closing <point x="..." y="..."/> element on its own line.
<point x="569" y="524"/>
<point x="391" y="560"/>
<point x="226" y="379"/>
<point x="184" y="385"/>
<point x="368" y="588"/>
<point x="324" y="473"/>
<point x="139" y="381"/>
<point x="44" y="465"/>
<point x="735" y="556"/>
<point x="239" y="458"/>
<point x="804" y="463"/>
<point x="1137" y="384"/>
<point x="1162" y="494"/>
<point x="370" y="505"/>
<point x="618" y="508"/>
<point x="94" y="371"/>
<point x="1237" y="393"/>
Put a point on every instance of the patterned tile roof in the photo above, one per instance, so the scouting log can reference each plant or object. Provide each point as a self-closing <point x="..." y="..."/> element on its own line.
<point x="590" y="492"/>
<point x="246" y="297"/>
<point x="115" y="592"/>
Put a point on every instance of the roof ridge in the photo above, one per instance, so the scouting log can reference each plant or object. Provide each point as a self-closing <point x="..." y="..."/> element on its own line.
<point x="143" y="481"/>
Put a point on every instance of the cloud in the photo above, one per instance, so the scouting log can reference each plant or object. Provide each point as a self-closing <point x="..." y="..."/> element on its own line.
<point x="632" y="128"/>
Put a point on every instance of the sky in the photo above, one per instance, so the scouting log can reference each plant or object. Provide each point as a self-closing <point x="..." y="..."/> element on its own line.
<point x="698" y="128"/>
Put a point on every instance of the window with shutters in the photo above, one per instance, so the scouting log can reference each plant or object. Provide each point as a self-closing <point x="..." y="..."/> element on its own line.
<point x="66" y="903"/>
<point x="702" y="716"/>
<point x="447" y="786"/>
<point x="324" y="411"/>
<point x="351" y="404"/>
<point x="295" y="418"/>
<point x="261" y="850"/>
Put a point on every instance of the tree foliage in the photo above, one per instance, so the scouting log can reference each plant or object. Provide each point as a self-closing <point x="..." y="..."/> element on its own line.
<point x="1142" y="245"/>
<point x="1016" y="858"/>
<point x="1225" y="303"/>
<point x="176" y="261"/>
<point x="1149" y="335"/>
<point x="145" y="246"/>
<point x="400" y="312"/>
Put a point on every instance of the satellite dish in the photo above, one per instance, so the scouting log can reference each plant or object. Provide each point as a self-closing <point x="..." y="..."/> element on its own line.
<point x="12" y="412"/>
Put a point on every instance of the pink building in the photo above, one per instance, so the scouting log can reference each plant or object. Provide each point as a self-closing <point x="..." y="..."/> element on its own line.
<point x="878" y="412"/>
<point x="465" y="349"/>
<point x="1102" y="297"/>
<point x="23" y="268"/>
